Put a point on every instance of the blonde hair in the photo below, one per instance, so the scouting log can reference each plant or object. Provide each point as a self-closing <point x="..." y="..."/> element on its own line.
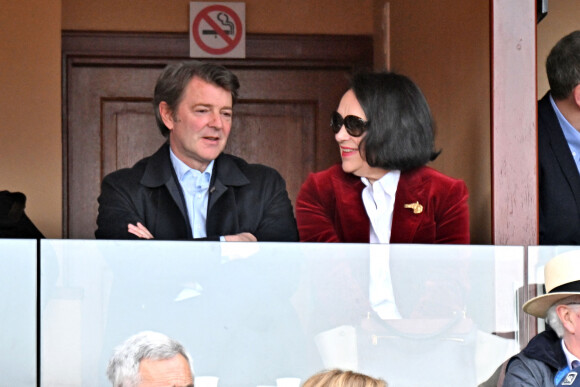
<point x="339" y="378"/>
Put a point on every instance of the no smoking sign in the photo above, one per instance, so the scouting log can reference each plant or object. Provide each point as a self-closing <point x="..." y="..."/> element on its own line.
<point x="217" y="30"/>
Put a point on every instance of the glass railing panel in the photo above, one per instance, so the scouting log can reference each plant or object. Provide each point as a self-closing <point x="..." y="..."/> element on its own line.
<point x="252" y="313"/>
<point x="18" y="312"/>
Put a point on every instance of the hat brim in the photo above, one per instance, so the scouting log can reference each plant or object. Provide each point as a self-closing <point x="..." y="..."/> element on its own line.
<point x="538" y="306"/>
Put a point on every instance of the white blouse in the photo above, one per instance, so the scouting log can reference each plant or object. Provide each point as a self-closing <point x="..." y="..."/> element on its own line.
<point x="379" y="201"/>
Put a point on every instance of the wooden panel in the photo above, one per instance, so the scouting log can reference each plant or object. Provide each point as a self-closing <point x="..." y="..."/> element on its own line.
<point x="89" y="137"/>
<point x="338" y="51"/>
<point x="514" y="134"/>
<point x="289" y="87"/>
<point x="129" y="133"/>
<point x="280" y="135"/>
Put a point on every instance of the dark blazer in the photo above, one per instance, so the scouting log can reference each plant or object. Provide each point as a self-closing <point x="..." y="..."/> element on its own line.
<point x="243" y="198"/>
<point x="559" y="181"/>
<point x="329" y="208"/>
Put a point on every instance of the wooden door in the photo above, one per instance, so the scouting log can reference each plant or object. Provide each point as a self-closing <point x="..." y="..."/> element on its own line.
<point x="289" y="87"/>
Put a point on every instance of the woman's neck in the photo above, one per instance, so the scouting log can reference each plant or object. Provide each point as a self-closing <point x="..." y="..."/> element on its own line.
<point x="374" y="174"/>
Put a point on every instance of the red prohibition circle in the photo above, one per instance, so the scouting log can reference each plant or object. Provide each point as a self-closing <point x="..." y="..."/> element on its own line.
<point x="230" y="43"/>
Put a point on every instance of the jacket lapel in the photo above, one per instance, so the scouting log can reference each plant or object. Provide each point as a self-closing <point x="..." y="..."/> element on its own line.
<point x="159" y="172"/>
<point x="223" y="211"/>
<point x="406" y="220"/>
<point x="560" y="146"/>
<point x="225" y="174"/>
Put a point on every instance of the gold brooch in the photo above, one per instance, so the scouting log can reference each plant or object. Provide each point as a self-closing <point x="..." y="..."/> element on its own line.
<point x="416" y="207"/>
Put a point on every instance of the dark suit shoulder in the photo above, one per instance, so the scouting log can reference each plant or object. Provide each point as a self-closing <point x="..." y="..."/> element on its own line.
<point x="251" y="171"/>
<point x="129" y="175"/>
<point x="547" y="119"/>
<point x="152" y="170"/>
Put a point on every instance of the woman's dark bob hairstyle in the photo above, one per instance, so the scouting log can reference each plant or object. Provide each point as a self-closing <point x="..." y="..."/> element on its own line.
<point x="400" y="125"/>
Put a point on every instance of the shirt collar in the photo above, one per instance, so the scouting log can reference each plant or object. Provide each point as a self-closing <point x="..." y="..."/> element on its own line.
<point x="570" y="133"/>
<point x="387" y="183"/>
<point x="569" y="356"/>
<point x="182" y="170"/>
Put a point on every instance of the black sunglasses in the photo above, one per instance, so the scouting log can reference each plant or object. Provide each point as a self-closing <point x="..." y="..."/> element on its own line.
<point x="355" y="126"/>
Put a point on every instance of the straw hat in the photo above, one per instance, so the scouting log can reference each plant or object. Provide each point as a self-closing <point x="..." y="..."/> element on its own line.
<point x="562" y="278"/>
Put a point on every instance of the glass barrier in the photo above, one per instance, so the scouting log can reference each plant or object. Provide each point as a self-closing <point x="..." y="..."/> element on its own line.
<point x="18" y="312"/>
<point x="255" y="314"/>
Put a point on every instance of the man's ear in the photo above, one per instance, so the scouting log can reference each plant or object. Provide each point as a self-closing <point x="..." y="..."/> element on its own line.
<point x="166" y="114"/>
<point x="576" y="95"/>
<point x="566" y="317"/>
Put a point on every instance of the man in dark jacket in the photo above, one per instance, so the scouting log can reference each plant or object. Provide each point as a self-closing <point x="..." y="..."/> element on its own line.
<point x="552" y="354"/>
<point x="190" y="189"/>
<point x="13" y="220"/>
<point x="559" y="146"/>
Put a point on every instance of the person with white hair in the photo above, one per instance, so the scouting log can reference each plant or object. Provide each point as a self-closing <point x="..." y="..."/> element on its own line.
<point x="551" y="355"/>
<point x="150" y="359"/>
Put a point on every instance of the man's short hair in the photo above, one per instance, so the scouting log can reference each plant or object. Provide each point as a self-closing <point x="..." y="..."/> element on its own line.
<point x="400" y="126"/>
<point x="552" y="316"/>
<point x="123" y="368"/>
<point x="563" y="66"/>
<point x="175" y="77"/>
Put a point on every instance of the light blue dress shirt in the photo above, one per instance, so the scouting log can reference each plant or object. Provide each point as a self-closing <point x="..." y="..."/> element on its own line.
<point x="571" y="135"/>
<point x="195" y="187"/>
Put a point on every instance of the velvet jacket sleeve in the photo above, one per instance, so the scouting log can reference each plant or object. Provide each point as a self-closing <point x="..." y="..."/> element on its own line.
<point x="329" y="208"/>
<point x="315" y="215"/>
<point x="453" y="217"/>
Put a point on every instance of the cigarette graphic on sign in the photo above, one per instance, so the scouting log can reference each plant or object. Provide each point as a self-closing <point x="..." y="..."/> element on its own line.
<point x="226" y="22"/>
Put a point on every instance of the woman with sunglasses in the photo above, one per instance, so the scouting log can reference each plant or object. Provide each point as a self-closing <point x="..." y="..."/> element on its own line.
<point x="383" y="192"/>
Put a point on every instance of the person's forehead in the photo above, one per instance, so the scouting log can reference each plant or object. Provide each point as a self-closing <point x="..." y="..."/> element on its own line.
<point x="349" y="104"/>
<point x="170" y="372"/>
<point x="201" y="89"/>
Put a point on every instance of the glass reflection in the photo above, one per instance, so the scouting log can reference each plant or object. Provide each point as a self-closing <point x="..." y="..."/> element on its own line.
<point x="254" y="313"/>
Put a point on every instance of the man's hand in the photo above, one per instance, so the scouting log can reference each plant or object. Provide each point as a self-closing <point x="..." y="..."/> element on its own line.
<point x="140" y="231"/>
<point x="242" y="237"/>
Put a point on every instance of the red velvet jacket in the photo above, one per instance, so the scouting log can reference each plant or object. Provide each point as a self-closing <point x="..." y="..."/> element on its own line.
<point x="329" y="208"/>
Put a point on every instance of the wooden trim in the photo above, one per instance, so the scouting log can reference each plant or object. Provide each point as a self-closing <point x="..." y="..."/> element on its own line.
<point x="271" y="50"/>
<point x="514" y="133"/>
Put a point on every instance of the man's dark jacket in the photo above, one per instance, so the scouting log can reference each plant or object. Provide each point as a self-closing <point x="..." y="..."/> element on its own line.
<point x="537" y="364"/>
<point x="242" y="198"/>
<point x="559" y="181"/>
<point x="14" y="223"/>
